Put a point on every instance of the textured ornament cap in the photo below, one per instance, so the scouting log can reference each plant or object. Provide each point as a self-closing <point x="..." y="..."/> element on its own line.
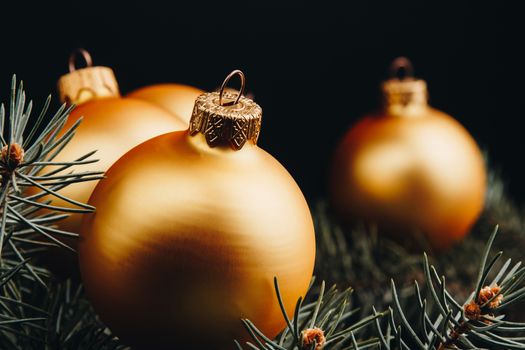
<point x="81" y="85"/>
<point x="404" y="91"/>
<point x="226" y="118"/>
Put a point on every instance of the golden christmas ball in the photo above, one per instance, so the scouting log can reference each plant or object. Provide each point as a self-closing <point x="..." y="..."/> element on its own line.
<point x="175" y="98"/>
<point x="111" y="125"/>
<point x="190" y="229"/>
<point x="410" y="168"/>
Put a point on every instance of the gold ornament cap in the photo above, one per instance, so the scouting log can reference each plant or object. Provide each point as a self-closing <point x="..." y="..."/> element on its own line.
<point x="81" y="85"/>
<point x="226" y="118"/>
<point x="400" y="92"/>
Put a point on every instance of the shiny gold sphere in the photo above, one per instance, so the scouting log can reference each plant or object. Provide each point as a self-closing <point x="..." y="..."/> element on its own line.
<point x="419" y="171"/>
<point x="187" y="239"/>
<point x="112" y="126"/>
<point x="175" y="98"/>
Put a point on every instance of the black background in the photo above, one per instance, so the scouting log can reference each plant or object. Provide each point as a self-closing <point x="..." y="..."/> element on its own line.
<point x="315" y="68"/>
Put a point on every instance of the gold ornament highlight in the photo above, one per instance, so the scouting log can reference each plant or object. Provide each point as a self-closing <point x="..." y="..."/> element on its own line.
<point x="410" y="168"/>
<point x="177" y="99"/>
<point x="190" y="229"/>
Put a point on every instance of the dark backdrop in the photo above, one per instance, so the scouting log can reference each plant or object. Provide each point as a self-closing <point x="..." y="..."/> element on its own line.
<point x="313" y="67"/>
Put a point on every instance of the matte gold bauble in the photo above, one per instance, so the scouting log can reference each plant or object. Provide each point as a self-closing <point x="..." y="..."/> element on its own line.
<point x="410" y="168"/>
<point x="175" y="98"/>
<point x="111" y="125"/>
<point x="190" y="229"/>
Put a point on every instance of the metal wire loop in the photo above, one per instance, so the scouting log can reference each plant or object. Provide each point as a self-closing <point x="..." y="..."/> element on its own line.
<point x="74" y="55"/>
<point x="401" y="65"/>
<point x="223" y="86"/>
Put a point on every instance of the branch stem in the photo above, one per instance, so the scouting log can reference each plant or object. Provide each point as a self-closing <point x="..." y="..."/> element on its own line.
<point x="456" y="332"/>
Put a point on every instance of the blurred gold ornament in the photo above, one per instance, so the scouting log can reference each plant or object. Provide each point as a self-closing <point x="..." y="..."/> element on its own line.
<point x="410" y="168"/>
<point x="111" y="125"/>
<point x="177" y="99"/>
<point x="190" y="229"/>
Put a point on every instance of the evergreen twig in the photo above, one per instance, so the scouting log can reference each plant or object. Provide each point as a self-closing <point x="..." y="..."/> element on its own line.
<point x="479" y="322"/>
<point x="28" y="294"/>
<point x="326" y="323"/>
<point x="24" y="154"/>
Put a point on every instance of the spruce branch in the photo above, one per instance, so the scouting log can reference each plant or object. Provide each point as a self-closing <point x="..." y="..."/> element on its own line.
<point x="361" y="255"/>
<point x="328" y="322"/>
<point x="56" y="317"/>
<point x="476" y="323"/>
<point x="26" y="221"/>
<point x="13" y="322"/>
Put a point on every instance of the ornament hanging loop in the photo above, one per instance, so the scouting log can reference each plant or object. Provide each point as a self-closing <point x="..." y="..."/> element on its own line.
<point x="74" y="55"/>
<point x="401" y="68"/>
<point x="223" y="86"/>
